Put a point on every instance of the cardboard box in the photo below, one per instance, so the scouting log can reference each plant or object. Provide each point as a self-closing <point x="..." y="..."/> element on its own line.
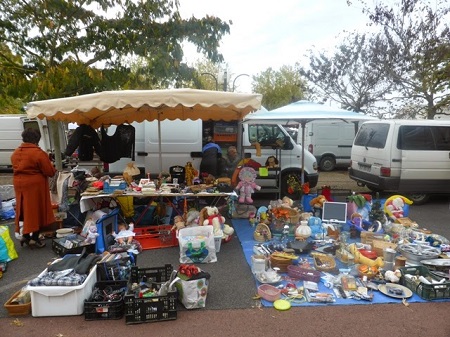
<point x="368" y="237"/>
<point x="72" y="244"/>
<point x="379" y="245"/>
<point x="61" y="300"/>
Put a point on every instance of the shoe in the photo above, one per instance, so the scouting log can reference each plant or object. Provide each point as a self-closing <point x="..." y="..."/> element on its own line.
<point x="249" y="200"/>
<point x="38" y="244"/>
<point x="25" y="241"/>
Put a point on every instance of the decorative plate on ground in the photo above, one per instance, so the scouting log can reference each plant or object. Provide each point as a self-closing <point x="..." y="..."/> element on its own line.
<point x="261" y="277"/>
<point x="395" y="290"/>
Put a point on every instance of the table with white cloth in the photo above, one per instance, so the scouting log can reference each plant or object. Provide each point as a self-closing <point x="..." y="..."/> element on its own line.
<point x="91" y="202"/>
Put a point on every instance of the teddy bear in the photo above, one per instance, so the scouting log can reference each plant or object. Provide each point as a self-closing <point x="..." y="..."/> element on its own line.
<point x="91" y="235"/>
<point x="247" y="185"/>
<point x="318" y="201"/>
<point x="215" y="219"/>
<point x="228" y="231"/>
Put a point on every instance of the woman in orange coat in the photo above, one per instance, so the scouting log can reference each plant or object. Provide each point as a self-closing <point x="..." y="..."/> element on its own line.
<point x="31" y="170"/>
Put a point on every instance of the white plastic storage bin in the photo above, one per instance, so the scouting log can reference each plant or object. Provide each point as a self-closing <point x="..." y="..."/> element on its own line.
<point x="217" y="243"/>
<point x="61" y="300"/>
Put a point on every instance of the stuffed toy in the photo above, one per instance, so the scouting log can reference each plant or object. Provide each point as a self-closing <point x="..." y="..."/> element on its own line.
<point x="271" y="162"/>
<point x="178" y="223"/>
<point x="247" y="185"/>
<point x="215" y="219"/>
<point x="228" y="231"/>
<point x="394" y="206"/>
<point x="287" y="202"/>
<point x="318" y="201"/>
<point x="192" y="217"/>
<point x="91" y="235"/>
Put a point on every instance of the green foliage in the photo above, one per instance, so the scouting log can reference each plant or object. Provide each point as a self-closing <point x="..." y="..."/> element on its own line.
<point x="280" y="87"/>
<point x="74" y="47"/>
<point x="376" y="212"/>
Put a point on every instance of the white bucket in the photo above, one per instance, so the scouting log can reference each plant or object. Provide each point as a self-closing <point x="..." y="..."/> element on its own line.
<point x="258" y="264"/>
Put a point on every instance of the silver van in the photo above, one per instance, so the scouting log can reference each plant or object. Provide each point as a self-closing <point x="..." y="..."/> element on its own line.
<point x="410" y="157"/>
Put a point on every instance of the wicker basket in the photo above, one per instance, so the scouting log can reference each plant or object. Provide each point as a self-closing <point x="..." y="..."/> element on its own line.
<point x="17" y="309"/>
<point x="324" y="262"/>
<point x="199" y="188"/>
<point x="262" y="233"/>
<point x="294" y="217"/>
<point x="300" y="273"/>
<point x="280" y="262"/>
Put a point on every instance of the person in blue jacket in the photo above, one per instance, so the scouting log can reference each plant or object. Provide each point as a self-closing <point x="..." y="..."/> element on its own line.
<point x="211" y="153"/>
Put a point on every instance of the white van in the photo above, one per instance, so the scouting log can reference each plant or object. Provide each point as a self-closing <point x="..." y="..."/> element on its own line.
<point x="182" y="142"/>
<point x="11" y="127"/>
<point x="330" y="141"/>
<point x="410" y="157"/>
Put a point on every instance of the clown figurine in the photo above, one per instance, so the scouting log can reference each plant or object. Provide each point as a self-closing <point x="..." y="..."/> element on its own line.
<point x="247" y="185"/>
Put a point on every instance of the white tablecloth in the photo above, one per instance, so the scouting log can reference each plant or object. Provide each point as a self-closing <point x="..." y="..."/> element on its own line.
<point x="90" y="202"/>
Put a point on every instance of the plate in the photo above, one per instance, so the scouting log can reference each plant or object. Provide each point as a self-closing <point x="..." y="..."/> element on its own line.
<point x="384" y="289"/>
<point x="261" y="279"/>
<point x="437" y="262"/>
<point x="282" y="305"/>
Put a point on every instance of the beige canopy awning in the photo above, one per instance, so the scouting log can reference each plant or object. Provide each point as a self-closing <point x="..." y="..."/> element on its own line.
<point x="127" y="106"/>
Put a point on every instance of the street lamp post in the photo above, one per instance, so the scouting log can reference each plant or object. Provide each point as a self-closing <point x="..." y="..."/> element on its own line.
<point x="238" y="77"/>
<point x="215" y="79"/>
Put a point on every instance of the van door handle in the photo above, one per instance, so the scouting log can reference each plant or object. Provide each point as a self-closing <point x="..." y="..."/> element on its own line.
<point x="143" y="154"/>
<point x="396" y="160"/>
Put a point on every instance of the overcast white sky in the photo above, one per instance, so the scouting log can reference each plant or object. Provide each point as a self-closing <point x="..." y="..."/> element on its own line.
<point x="274" y="33"/>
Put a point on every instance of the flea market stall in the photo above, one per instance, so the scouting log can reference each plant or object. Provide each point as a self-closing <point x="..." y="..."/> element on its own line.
<point x="312" y="251"/>
<point x="107" y="108"/>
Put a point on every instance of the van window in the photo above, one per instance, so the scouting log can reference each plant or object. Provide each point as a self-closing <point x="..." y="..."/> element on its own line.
<point x="426" y="138"/>
<point x="266" y="135"/>
<point x="372" y="135"/>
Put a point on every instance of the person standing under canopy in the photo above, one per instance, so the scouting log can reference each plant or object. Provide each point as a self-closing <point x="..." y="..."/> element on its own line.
<point x="31" y="170"/>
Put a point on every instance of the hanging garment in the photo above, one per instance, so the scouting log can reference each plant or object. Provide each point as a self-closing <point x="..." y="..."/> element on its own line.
<point x="120" y="145"/>
<point x="86" y="139"/>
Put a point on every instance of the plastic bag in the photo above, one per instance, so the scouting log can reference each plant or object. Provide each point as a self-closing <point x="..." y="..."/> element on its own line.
<point x="192" y="292"/>
<point x="7" y="250"/>
<point x="197" y="245"/>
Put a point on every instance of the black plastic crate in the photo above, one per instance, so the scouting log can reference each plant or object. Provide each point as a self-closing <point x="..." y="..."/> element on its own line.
<point x="154" y="308"/>
<point x="106" y="309"/>
<point x="435" y="291"/>
<point x="153" y="274"/>
<point x="150" y="309"/>
<point x="58" y="245"/>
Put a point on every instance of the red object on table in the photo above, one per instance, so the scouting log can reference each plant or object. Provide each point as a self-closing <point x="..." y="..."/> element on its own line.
<point x="368" y="253"/>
